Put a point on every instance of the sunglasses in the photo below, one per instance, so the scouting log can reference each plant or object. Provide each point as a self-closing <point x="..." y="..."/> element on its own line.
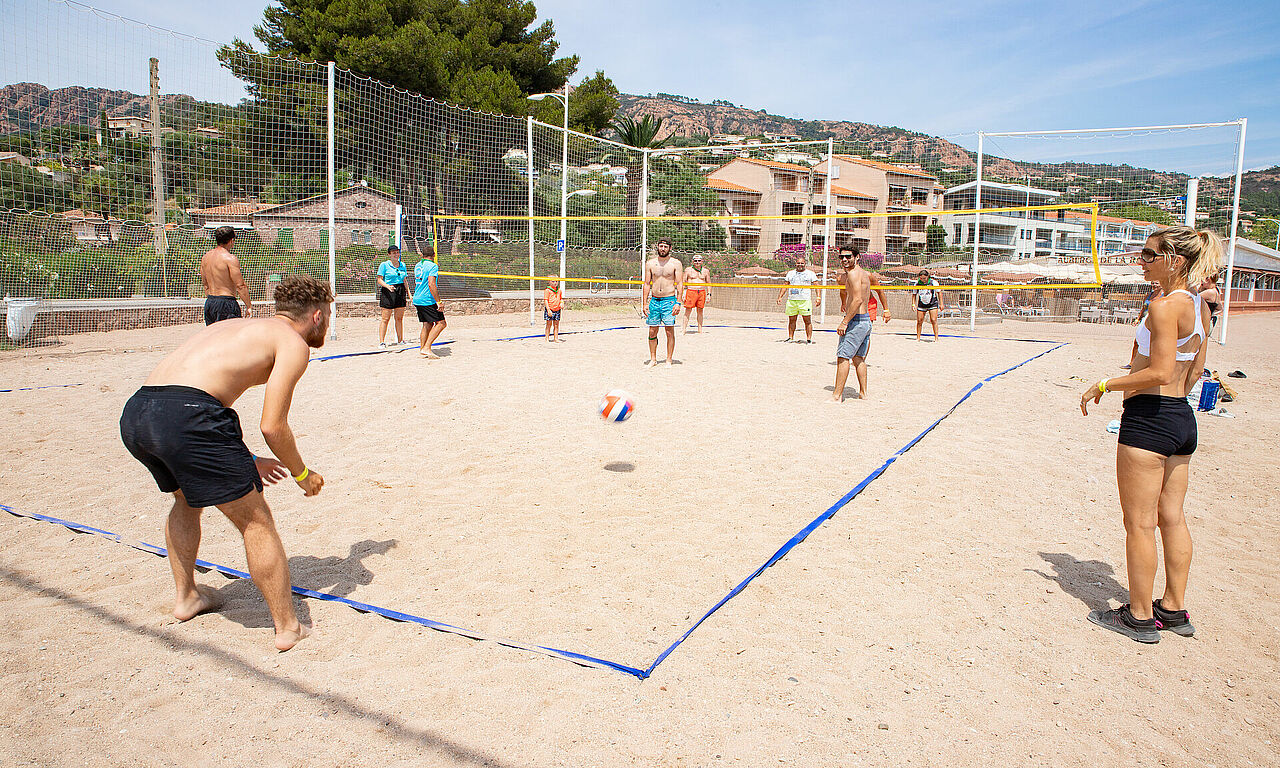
<point x="1146" y="255"/>
<point x="845" y="258"/>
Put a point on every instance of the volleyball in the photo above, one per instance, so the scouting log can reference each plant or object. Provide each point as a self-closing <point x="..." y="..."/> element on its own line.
<point x="616" y="406"/>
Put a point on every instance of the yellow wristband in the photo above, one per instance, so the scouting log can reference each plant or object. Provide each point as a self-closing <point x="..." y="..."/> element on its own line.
<point x="1102" y="386"/>
<point x="303" y="476"/>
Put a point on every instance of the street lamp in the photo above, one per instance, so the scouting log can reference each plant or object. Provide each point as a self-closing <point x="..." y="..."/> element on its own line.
<point x="564" y="166"/>
<point x="1277" y="223"/>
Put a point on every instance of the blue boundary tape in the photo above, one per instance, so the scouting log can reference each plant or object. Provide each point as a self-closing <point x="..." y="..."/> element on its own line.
<point x="235" y="573"/>
<point x="372" y="352"/>
<point x="46" y="386"/>
<point x="571" y="656"/>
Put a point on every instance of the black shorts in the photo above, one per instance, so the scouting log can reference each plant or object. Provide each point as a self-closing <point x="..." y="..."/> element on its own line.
<point x="190" y="442"/>
<point x="220" y="308"/>
<point x="393" y="299"/>
<point x="926" y="307"/>
<point x="1160" y="424"/>
<point x="429" y="314"/>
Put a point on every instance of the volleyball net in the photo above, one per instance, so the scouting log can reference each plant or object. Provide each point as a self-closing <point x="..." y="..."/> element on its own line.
<point x="902" y="248"/>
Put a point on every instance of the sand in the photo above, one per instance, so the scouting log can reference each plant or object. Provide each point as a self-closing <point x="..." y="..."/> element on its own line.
<point x="939" y="618"/>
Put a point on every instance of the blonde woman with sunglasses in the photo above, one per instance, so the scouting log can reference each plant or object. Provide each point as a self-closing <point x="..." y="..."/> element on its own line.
<point x="1158" y="432"/>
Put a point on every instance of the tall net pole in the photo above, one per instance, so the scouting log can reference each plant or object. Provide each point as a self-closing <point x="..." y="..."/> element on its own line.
<point x="529" y="179"/>
<point x="977" y="240"/>
<point x="827" y="226"/>
<point x="563" y="244"/>
<point x="157" y="175"/>
<point x="644" y="211"/>
<point x="333" y="233"/>
<point x="1231" y="246"/>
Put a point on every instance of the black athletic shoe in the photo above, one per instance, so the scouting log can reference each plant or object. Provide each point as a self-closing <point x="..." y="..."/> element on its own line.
<point x="1177" y="622"/>
<point x="1121" y="620"/>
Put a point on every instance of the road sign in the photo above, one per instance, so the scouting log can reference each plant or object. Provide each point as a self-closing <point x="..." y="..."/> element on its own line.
<point x="560" y="246"/>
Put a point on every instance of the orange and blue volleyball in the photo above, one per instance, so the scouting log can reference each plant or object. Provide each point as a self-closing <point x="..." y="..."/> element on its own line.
<point x="616" y="406"/>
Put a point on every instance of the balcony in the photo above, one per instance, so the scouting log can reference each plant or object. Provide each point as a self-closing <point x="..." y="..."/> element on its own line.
<point x="744" y="225"/>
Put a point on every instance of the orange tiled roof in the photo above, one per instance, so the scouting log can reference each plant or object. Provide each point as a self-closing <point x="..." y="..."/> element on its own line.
<point x="779" y="166"/>
<point x="888" y="167"/>
<point x="76" y="213"/>
<point x="846" y="192"/>
<point x="729" y="186"/>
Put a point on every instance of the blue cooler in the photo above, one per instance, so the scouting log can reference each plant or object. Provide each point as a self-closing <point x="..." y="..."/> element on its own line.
<point x="1209" y="393"/>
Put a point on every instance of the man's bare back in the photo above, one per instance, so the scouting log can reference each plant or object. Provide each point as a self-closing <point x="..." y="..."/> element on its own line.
<point x="220" y="273"/>
<point x="228" y="357"/>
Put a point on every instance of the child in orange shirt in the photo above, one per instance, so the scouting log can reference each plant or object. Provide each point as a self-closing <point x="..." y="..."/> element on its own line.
<point x="552" y="303"/>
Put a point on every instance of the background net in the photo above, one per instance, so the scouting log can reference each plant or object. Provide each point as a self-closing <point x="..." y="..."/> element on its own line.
<point x="109" y="195"/>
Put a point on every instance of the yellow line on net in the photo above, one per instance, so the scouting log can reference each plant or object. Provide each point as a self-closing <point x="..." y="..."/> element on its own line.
<point x="734" y="217"/>
<point x="816" y="287"/>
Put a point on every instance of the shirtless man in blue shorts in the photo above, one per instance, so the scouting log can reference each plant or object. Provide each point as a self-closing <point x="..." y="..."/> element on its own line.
<point x="663" y="282"/>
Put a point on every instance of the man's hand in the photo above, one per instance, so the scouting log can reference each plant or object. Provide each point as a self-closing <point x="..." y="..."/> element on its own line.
<point x="886" y="315"/>
<point x="311" y="484"/>
<point x="270" y="470"/>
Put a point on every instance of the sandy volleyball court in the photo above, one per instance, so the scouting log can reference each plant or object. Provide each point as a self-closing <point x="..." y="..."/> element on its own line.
<point x="936" y="619"/>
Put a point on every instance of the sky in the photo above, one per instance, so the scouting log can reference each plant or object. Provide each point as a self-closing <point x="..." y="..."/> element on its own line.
<point x="942" y="68"/>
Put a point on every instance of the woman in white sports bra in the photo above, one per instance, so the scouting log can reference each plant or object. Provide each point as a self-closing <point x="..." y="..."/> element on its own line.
<point x="1158" y="432"/>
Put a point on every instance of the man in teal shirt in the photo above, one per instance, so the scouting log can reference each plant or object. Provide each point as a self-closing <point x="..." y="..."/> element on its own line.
<point x="424" y="301"/>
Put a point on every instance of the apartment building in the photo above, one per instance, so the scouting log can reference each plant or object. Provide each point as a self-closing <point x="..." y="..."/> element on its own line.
<point x="1062" y="235"/>
<point x="751" y="187"/>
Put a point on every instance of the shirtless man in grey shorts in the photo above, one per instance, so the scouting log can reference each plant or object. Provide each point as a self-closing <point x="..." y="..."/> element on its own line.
<point x="854" y="328"/>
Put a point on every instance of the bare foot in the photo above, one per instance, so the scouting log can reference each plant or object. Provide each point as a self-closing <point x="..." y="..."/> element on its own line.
<point x="835" y="399"/>
<point x="431" y="355"/>
<point x="286" y="639"/>
<point x="204" y="601"/>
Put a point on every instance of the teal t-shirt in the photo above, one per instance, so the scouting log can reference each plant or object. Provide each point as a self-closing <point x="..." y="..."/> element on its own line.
<point x="422" y="274"/>
<point x="391" y="274"/>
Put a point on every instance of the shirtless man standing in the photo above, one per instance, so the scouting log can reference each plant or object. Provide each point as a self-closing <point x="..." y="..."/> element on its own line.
<point x="663" y="281"/>
<point x="180" y="425"/>
<point x="696" y="291"/>
<point x="854" y="328"/>
<point x="220" y="273"/>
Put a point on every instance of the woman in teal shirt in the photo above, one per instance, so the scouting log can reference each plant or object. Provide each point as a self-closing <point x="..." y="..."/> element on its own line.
<point x="392" y="294"/>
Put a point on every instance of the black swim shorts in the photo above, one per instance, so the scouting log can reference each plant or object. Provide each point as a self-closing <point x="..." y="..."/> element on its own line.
<point x="392" y="299"/>
<point x="429" y="314"/>
<point x="220" y="308"/>
<point x="191" y="442"/>
<point x="1160" y="424"/>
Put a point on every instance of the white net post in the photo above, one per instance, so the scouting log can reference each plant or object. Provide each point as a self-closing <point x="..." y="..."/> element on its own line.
<point x="333" y="233"/>
<point x="529" y="188"/>
<point x="644" y="211"/>
<point x="1231" y="246"/>
<point x="827" y="242"/>
<point x="977" y="239"/>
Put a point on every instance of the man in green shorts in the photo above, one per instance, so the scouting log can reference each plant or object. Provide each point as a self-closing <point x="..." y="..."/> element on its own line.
<point x="799" y="300"/>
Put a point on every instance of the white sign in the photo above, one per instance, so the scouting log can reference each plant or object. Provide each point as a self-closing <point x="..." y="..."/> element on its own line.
<point x="559" y="246"/>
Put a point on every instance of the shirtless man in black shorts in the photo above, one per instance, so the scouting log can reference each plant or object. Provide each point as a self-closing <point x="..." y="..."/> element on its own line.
<point x="220" y="274"/>
<point x="180" y="425"/>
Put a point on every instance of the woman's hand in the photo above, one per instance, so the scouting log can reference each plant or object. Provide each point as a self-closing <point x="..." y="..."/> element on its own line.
<point x="1094" y="394"/>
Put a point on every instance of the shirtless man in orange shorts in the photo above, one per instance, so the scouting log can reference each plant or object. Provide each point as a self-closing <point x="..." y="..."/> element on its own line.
<point x="696" y="292"/>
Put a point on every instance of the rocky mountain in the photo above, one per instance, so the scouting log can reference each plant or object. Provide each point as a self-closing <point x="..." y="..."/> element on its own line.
<point x="689" y="119"/>
<point x="31" y="106"/>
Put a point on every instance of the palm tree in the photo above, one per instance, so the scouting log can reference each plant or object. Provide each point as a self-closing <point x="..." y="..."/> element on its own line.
<point x="641" y="134"/>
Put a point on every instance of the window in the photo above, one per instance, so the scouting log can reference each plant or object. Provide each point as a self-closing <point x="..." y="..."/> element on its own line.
<point x="284" y="238"/>
<point x="792" y="209"/>
<point x="355" y="236"/>
<point x="792" y="238"/>
<point x="324" y="239"/>
<point x="391" y="237"/>
<point x="368" y="237"/>
<point x="959" y="233"/>
<point x="919" y="196"/>
<point x="786" y="182"/>
<point x="917" y="223"/>
<point x="361" y="204"/>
